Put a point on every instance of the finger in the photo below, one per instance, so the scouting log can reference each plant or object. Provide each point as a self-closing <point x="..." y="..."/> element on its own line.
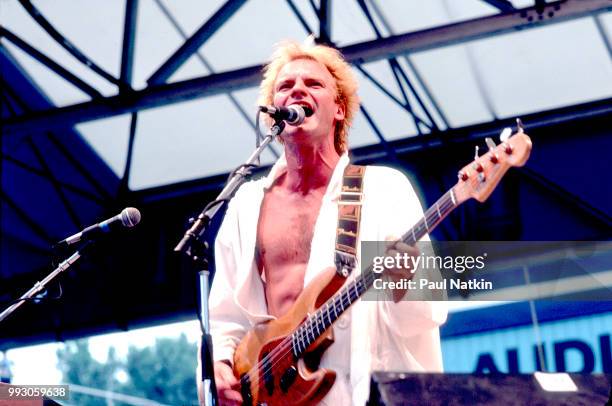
<point x="229" y="402"/>
<point x="230" y="379"/>
<point x="225" y="374"/>
<point x="409" y="249"/>
<point x="232" y="395"/>
<point x="390" y="241"/>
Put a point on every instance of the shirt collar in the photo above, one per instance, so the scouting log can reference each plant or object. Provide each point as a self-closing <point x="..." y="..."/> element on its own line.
<point x="333" y="188"/>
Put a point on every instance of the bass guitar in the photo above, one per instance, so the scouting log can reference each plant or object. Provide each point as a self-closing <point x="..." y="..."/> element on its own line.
<point x="277" y="361"/>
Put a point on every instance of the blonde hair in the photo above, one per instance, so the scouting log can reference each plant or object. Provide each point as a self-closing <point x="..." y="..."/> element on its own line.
<point x="332" y="59"/>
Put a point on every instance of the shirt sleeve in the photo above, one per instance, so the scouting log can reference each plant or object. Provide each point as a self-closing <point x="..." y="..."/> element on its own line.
<point x="408" y="317"/>
<point x="228" y="324"/>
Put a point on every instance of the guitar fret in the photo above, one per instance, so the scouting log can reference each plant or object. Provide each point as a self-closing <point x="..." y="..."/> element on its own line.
<point x="348" y="297"/>
<point x="298" y="337"/>
<point x="303" y="345"/>
<point x="341" y="302"/>
<point x="307" y="332"/>
<point x="294" y="345"/>
<point x="311" y="333"/>
<point x="304" y="339"/>
<point x="312" y="329"/>
<point x="316" y="320"/>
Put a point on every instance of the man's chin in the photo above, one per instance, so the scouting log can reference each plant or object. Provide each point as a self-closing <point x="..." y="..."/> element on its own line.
<point x="291" y="131"/>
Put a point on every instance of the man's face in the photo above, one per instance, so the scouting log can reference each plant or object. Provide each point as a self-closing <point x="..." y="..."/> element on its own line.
<point x="308" y="83"/>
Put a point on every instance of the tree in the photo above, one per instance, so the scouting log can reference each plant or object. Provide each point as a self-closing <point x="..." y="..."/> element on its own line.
<point x="164" y="372"/>
<point x="79" y="367"/>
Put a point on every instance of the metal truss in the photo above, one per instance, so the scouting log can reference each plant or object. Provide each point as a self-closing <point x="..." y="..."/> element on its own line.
<point x="247" y="116"/>
<point x="501" y="5"/>
<point x="50" y="63"/>
<point x="14" y="103"/>
<point x="392" y="48"/>
<point x="192" y="44"/>
<point x="127" y="63"/>
<point x="65" y="43"/>
<point x="382" y="48"/>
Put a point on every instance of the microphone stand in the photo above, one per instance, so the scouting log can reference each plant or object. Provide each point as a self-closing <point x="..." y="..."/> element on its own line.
<point x="192" y="246"/>
<point x="38" y="286"/>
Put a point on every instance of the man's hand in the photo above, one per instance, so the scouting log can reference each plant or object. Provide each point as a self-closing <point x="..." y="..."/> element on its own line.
<point x="394" y="247"/>
<point x="227" y="385"/>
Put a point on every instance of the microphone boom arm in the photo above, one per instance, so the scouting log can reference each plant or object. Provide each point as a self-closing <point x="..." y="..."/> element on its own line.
<point x="39" y="286"/>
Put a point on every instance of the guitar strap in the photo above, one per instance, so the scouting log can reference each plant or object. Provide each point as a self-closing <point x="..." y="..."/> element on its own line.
<point x="349" y="217"/>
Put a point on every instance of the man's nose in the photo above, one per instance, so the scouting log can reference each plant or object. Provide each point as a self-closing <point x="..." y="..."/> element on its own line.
<point x="299" y="88"/>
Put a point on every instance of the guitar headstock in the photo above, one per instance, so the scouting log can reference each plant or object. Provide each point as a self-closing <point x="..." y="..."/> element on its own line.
<point x="478" y="179"/>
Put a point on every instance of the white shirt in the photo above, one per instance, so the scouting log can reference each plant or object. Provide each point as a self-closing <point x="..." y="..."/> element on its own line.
<point x="400" y="336"/>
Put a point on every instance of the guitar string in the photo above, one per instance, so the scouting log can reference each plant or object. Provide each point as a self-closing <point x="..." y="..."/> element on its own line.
<point x="282" y="350"/>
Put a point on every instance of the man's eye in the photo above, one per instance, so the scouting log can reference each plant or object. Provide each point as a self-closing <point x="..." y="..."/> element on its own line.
<point x="284" y="86"/>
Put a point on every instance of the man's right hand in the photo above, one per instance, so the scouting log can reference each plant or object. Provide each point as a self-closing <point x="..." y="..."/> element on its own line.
<point x="227" y="385"/>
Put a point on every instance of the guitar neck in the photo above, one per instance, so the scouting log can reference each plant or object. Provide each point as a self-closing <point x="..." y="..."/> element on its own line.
<point x="328" y="313"/>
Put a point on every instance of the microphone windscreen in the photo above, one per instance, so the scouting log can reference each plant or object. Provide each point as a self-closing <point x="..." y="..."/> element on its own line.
<point x="130" y="216"/>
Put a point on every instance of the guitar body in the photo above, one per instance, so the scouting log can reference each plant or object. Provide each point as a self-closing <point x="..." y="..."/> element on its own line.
<point x="288" y="381"/>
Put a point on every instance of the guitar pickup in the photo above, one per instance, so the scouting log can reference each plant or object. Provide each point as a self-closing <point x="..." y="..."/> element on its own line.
<point x="245" y="390"/>
<point x="268" y="375"/>
<point x="288" y="378"/>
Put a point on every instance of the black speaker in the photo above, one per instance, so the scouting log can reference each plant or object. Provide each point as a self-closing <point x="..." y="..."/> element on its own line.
<point x="394" y="388"/>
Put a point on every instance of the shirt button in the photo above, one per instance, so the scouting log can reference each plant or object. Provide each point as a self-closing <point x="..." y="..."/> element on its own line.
<point x="343" y="322"/>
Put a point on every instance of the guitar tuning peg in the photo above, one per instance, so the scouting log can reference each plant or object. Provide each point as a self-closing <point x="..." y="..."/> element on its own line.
<point x="505" y="134"/>
<point x="490" y="143"/>
<point x="519" y="125"/>
<point x="477" y="165"/>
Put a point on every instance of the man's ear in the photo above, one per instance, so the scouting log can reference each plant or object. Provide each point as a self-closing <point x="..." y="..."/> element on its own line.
<point x="340" y="112"/>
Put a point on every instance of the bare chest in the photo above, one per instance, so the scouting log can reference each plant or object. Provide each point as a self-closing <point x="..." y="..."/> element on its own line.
<point x="286" y="228"/>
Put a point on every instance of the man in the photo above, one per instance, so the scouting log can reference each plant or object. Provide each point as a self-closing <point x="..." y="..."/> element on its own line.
<point x="279" y="232"/>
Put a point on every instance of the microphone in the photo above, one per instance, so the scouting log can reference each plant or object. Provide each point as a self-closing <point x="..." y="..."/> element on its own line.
<point x="128" y="218"/>
<point x="293" y="115"/>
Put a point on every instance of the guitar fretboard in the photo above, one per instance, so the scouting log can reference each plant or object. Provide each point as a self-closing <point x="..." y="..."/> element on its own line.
<point x="328" y="313"/>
